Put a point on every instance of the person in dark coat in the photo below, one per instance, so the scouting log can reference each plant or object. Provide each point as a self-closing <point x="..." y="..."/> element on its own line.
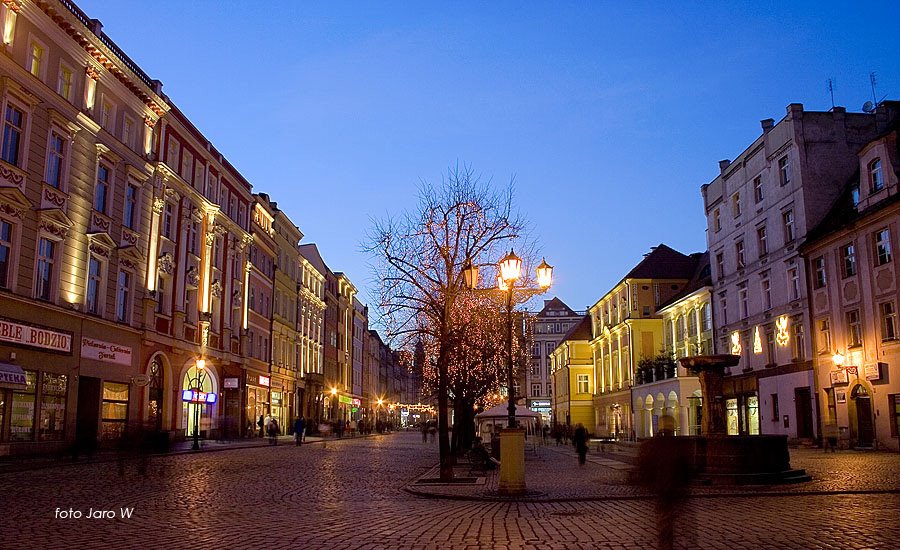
<point x="299" y="427"/>
<point x="261" y="423"/>
<point x="273" y="432"/>
<point x="580" y="441"/>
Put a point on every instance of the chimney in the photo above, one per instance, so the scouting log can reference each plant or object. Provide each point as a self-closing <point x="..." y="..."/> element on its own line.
<point x="767" y="124"/>
<point x="157" y="87"/>
<point x="723" y="164"/>
<point x="96" y="26"/>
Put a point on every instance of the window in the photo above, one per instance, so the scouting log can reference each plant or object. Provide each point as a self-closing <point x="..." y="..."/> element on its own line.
<point x="162" y="300"/>
<point x="55" y="160"/>
<point x="757" y="189"/>
<point x="128" y="132"/>
<point x="848" y="260"/>
<point x="131" y="197"/>
<point x="876" y="178"/>
<point x="819" y="275"/>
<point x="168" y="219"/>
<point x="888" y="321"/>
<point x="788" y="219"/>
<point x="766" y="289"/>
<point x="824" y="336"/>
<point x="64" y="82"/>
<point x="6" y="235"/>
<point x="706" y="317"/>
<point x="770" y="346"/>
<point x="717" y="220"/>
<point x="114" y="410"/>
<point x="535" y="390"/>
<point x="583" y="383"/>
<point x="123" y="297"/>
<point x="798" y="339"/>
<point x="743" y="300"/>
<point x="187" y="166"/>
<point x="107" y="115"/>
<point x="882" y="247"/>
<point x="854" y="194"/>
<point x="784" y="171"/>
<point x="13" y="127"/>
<point x="723" y="307"/>
<point x="193" y="231"/>
<point x="775" y="414"/>
<point x="172" y="153"/>
<point x="36" y="58"/>
<point x="720" y="264"/>
<point x="736" y="204"/>
<point x="854" y="329"/>
<point x="761" y="241"/>
<point x="739" y="254"/>
<point x="21" y="423"/>
<point x="53" y="407"/>
<point x="92" y="300"/>
<point x="44" y="275"/>
<point x="101" y="193"/>
<point x="794" y="283"/>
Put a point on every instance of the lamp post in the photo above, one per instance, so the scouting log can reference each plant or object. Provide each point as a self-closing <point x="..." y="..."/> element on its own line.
<point x="200" y="368"/>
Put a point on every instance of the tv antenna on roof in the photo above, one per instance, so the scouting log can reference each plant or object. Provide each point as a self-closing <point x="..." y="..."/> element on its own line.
<point x="830" y="82"/>
<point x="874" y="95"/>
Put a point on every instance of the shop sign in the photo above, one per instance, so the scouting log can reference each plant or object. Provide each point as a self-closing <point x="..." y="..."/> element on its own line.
<point x="141" y="380"/>
<point x="105" y="352"/>
<point x="355" y="401"/>
<point x="231" y="383"/>
<point x="839" y="377"/>
<point x="194" y="396"/>
<point x="873" y="371"/>
<point x="345" y="400"/>
<point x="35" y="337"/>
<point x="264" y="381"/>
<point x="354" y="409"/>
<point x="540" y="403"/>
<point x="12" y="375"/>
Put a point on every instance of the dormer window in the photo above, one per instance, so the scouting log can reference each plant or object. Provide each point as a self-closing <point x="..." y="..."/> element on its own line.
<point x="876" y="177"/>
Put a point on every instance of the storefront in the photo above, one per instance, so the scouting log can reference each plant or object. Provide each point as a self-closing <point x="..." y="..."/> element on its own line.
<point x="741" y="405"/>
<point x="257" y="390"/>
<point x="199" y="397"/>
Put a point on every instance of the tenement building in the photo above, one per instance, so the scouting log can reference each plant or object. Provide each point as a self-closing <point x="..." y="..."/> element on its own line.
<point x="286" y="347"/>
<point x="572" y="370"/>
<point x="759" y="209"/>
<point x="311" y="330"/>
<point x="626" y="328"/>
<point x="549" y="326"/>
<point x="853" y="297"/>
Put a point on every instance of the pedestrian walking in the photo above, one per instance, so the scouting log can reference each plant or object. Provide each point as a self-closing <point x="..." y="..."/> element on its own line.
<point x="579" y="440"/>
<point x="273" y="432"/>
<point x="424" y="432"/>
<point x="261" y="423"/>
<point x="299" y="428"/>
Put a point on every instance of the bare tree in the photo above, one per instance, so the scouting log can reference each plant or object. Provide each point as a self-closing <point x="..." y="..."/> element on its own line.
<point x="419" y="260"/>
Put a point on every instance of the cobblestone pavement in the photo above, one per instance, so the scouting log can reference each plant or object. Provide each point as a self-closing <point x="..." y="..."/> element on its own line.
<point x="350" y="494"/>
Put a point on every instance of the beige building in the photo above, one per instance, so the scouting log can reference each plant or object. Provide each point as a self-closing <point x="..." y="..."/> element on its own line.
<point x="626" y="327"/>
<point x="759" y="209"/>
<point x="572" y="371"/>
<point x="286" y="345"/>
<point x="311" y="330"/>
<point x="549" y="326"/>
<point x="854" y="297"/>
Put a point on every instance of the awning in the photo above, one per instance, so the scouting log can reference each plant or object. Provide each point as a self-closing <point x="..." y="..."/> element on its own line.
<point x="12" y="376"/>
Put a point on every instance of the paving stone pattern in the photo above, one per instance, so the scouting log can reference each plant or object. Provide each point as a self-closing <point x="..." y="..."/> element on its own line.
<point x="350" y="494"/>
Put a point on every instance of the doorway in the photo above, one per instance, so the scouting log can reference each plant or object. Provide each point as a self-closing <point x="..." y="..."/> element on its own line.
<point x="865" y="429"/>
<point x="88" y="418"/>
<point x="803" y="402"/>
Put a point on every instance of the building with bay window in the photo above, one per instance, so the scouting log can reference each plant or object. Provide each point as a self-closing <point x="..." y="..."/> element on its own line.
<point x="854" y="295"/>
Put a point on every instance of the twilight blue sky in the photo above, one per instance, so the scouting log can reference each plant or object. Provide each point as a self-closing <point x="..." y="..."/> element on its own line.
<point x="610" y="115"/>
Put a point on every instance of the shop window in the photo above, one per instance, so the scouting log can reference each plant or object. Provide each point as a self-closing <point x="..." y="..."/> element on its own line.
<point x="21" y="422"/>
<point x="114" y="410"/>
<point x="894" y="401"/>
<point x="53" y="407"/>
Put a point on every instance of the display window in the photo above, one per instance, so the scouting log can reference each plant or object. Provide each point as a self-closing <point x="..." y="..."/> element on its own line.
<point x="21" y="421"/>
<point x="114" y="410"/>
<point x="53" y="407"/>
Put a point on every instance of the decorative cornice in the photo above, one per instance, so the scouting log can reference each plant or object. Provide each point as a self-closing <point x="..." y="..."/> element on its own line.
<point x="158" y="204"/>
<point x="166" y="263"/>
<point x="92" y="72"/>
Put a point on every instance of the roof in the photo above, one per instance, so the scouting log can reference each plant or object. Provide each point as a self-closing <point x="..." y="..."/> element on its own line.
<point x="702" y="277"/>
<point x="556" y="304"/>
<point x="664" y="263"/>
<point x="311" y="253"/>
<point x="580" y="331"/>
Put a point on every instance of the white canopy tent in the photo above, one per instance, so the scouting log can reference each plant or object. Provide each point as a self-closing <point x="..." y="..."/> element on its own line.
<point x="491" y="421"/>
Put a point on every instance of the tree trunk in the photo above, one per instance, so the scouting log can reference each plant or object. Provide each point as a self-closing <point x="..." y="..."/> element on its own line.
<point x="443" y="433"/>
<point x="463" y="426"/>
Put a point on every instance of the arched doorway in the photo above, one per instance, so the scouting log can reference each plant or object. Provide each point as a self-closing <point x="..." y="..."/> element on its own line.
<point x="862" y="404"/>
<point x="198" y="415"/>
<point x="155" y="394"/>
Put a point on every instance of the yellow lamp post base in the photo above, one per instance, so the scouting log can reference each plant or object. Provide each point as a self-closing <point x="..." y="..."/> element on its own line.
<point x="512" y="462"/>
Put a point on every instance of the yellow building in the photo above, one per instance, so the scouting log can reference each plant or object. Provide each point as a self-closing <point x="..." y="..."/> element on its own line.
<point x="626" y="328"/>
<point x="572" y="369"/>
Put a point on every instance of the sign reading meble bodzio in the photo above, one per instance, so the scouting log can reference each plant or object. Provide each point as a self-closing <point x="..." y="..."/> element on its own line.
<point x="35" y="337"/>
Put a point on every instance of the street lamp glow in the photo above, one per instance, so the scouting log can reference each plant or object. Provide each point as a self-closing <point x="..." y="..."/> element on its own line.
<point x="201" y="364"/>
<point x="837" y="359"/>
<point x="510" y="268"/>
<point x="333" y="391"/>
<point x="380" y="401"/>
<point x="501" y="284"/>
<point x="544" y="274"/>
<point x="470" y="275"/>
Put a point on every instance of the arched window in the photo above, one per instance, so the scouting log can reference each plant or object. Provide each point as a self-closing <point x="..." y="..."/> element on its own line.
<point x="876" y="178"/>
<point x="155" y="401"/>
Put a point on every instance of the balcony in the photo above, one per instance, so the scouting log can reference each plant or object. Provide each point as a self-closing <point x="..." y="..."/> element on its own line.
<point x="661" y="367"/>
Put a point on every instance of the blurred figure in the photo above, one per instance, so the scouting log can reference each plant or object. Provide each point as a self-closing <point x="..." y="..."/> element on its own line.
<point x="580" y="441"/>
<point x="666" y="468"/>
<point x="299" y="430"/>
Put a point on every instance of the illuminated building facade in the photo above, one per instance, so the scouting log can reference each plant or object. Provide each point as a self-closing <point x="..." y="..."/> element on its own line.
<point x="572" y="370"/>
<point x="662" y="386"/>
<point x="626" y="328"/>
<point x="311" y="330"/>
<point x="286" y="345"/>
<point x="759" y="209"/>
<point x="854" y="296"/>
